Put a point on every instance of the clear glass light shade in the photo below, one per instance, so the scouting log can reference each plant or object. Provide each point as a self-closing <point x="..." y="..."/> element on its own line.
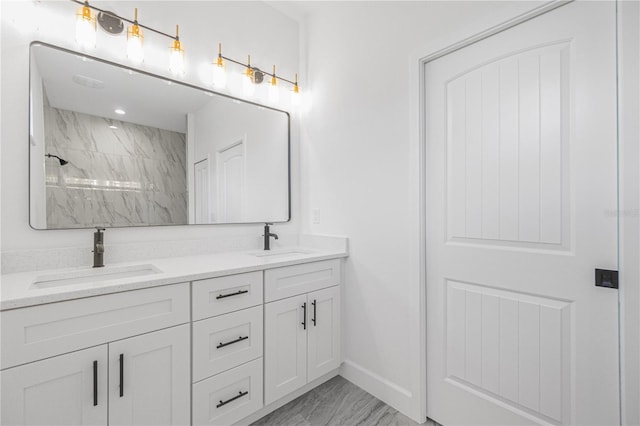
<point x="274" y="93"/>
<point x="295" y="96"/>
<point x="219" y="76"/>
<point x="135" y="51"/>
<point x="85" y="28"/>
<point x="176" y="59"/>
<point x="248" y="88"/>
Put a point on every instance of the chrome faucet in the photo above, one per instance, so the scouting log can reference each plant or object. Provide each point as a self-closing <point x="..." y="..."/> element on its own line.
<point x="267" y="236"/>
<point x="98" y="248"/>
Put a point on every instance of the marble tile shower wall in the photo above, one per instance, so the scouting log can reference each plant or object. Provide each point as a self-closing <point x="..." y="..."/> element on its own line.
<point x="124" y="176"/>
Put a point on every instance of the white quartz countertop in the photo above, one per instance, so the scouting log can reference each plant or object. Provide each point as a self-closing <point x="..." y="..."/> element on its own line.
<point x="20" y="290"/>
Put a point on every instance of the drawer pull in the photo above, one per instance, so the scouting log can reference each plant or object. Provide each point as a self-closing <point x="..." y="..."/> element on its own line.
<point x="237" y="293"/>
<point x="239" y="339"/>
<point x="95" y="383"/>
<point x="239" y="395"/>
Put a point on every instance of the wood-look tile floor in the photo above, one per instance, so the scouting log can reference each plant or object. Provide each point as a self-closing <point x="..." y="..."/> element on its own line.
<point x="336" y="402"/>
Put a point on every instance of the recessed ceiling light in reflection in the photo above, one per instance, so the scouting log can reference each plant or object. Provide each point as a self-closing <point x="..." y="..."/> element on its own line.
<point x="120" y="111"/>
<point x="113" y="127"/>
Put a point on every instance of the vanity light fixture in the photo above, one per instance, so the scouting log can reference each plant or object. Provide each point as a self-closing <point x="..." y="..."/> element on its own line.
<point x="135" y="38"/>
<point x="252" y="76"/>
<point x="176" y="60"/>
<point x="86" y="26"/>
<point x="86" y="37"/>
<point x="112" y="24"/>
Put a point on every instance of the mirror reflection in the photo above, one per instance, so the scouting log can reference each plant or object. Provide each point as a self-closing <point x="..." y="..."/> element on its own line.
<point x="114" y="147"/>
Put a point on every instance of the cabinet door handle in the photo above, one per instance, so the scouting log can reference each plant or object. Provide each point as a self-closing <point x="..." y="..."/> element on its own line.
<point x="304" y="316"/>
<point x="239" y="395"/>
<point x="95" y="383"/>
<point x="121" y="375"/>
<point x="239" y="339"/>
<point x="314" y="312"/>
<point x="237" y="293"/>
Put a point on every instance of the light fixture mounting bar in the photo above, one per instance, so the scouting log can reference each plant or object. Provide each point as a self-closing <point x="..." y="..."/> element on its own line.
<point x="252" y="67"/>
<point x="125" y="19"/>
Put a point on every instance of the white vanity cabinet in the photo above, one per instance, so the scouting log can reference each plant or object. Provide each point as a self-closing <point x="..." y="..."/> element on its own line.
<point x="212" y="351"/>
<point x="131" y="372"/>
<point x="302" y="332"/>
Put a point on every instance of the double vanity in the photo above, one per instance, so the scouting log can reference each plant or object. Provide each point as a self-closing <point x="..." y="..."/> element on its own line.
<point x="212" y="339"/>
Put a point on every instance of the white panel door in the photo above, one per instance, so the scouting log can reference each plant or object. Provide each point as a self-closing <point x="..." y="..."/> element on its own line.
<point x="64" y="390"/>
<point x="150" y="379"/>
<point x="230" y="178"/>
<point x="285" y="349"/>
<point x="323" y="353"/>
<point x="521" y="195"/>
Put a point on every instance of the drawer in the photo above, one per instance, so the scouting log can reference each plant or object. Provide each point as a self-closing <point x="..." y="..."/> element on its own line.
<point x="228" y="397"/>
<point x="217" y="296"/>
<point x="226" y="341"/>
<point x="298" y="279"/>
<point x="38" y="332"/>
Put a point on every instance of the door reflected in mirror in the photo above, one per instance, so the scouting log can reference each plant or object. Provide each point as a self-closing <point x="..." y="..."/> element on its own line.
<point x="112" y="146"/>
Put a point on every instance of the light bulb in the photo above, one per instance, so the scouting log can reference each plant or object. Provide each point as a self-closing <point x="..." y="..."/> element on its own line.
<point x="85" y="27"/>
<point x="135" y="37"/>
<point x="274" y="93"/>
<point x="219" y="74"/>
<point x="176" y="58"/>
<point x="176" y="62"/>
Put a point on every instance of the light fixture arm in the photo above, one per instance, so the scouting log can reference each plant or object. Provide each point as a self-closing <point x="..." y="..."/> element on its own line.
<point x="249" y="66"/>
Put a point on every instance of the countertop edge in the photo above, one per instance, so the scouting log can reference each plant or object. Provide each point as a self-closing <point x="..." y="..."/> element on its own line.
<point x="152" y="281"/>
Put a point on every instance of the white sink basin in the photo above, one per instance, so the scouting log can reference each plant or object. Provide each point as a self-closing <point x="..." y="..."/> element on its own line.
<point x="94" y="275"/>
<point x="271" y="254"/>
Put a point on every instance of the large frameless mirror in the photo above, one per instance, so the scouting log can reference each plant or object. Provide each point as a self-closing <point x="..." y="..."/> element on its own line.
<point x="114" y="147"/>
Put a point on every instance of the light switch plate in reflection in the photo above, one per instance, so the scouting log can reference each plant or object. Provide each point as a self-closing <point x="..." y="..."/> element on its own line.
<point x="315" y="216"/>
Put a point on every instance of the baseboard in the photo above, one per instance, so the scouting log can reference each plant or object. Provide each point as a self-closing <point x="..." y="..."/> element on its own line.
<point x="286" y="399"/>
<point x="388" y="392"/>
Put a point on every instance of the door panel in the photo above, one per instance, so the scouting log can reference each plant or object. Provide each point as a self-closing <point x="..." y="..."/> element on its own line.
<point x="285" y="347"/>
<point x="324" y="332"/>
<point x="57" y="391"/>
<point x="156" y="379"/>
<point x="521" y="181"/>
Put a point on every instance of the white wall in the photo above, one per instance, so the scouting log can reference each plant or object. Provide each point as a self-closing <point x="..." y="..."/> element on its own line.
<point x="360" y="169"/>
<point x="242" y="27"/>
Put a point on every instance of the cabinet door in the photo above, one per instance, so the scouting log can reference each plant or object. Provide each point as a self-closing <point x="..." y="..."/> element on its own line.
<point x="68" y="389"/>
<point x="149" y="379"/>
<point x="285" y="347"/>
<point x="324" y="332"/>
